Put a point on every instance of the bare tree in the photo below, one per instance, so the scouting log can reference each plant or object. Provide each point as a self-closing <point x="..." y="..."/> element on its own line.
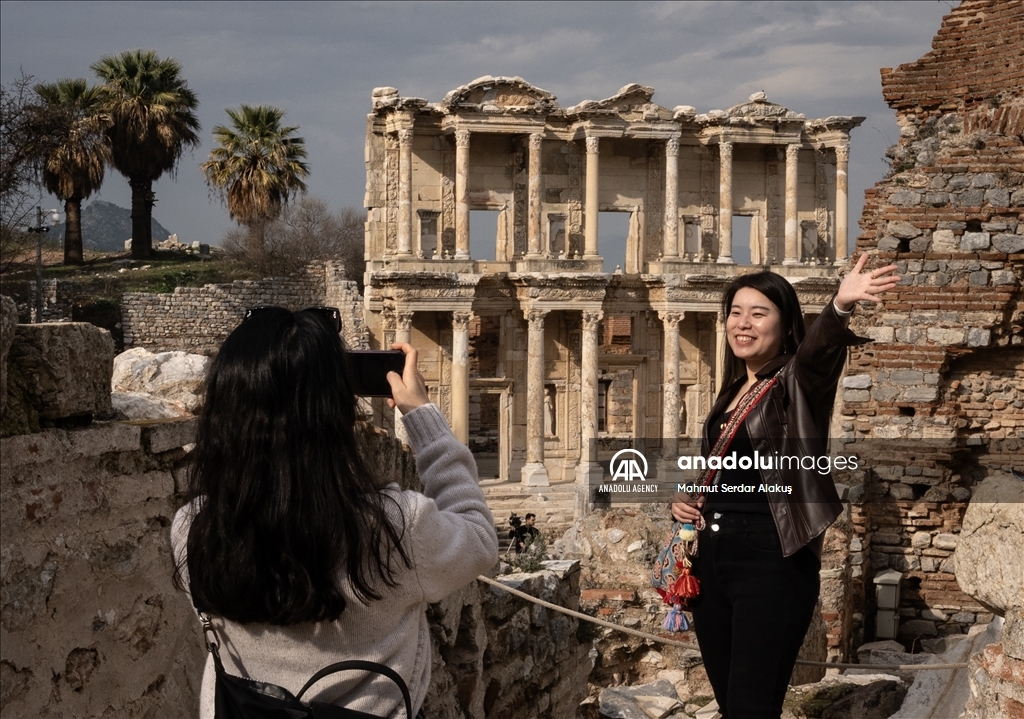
<point x="305" y="232"/>
<point x="19" y="186"/>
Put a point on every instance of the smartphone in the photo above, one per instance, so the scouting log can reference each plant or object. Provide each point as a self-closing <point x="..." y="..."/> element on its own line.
<point x="370" y="370"/>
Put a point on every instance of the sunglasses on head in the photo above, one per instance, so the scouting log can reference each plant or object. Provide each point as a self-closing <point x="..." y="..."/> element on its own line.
<point x="330" y="315"/>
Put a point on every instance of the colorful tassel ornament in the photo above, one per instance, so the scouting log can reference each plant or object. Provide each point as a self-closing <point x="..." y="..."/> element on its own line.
<point x="676" y="620"/>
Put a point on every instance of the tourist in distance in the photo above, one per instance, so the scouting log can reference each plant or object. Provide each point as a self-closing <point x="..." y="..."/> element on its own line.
<point x="759" y="553"/>
<point x="290" y="544"/>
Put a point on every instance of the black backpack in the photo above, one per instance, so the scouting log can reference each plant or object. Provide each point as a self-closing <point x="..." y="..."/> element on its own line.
<point x="241" y="698"/>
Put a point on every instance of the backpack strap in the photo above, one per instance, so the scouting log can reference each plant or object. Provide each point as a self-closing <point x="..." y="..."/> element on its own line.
<point x="365" y="666"/>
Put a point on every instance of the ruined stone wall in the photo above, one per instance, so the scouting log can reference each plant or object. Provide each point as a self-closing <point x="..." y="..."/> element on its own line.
<point x="943" y="383"/>
<point x="197" y="319"/>
<point x="89" y="622"/>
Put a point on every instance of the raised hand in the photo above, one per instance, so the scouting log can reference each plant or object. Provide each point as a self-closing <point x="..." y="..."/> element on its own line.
<point x="859" y="286"/>
<point x="409" y="391"/>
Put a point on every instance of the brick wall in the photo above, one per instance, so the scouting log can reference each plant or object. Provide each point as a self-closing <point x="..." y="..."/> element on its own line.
<point x="943" y="383"/>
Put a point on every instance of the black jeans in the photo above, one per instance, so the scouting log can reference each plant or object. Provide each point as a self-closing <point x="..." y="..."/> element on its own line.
<point x="753" y="612"/>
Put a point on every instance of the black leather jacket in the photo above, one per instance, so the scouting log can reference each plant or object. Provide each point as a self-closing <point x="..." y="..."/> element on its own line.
<point x="793" y="419"/>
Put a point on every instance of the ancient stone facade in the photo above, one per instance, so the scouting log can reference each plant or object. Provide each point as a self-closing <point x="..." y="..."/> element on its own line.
<point x="197" y="319"/>
<point x="942" y="386"/>
<point x="554" y="355"/>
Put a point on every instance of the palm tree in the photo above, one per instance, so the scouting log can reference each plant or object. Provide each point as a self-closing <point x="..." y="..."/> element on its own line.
<point x="73" y="160"/>
<point x="151" y="109"/>
<point x="256" y="167"/>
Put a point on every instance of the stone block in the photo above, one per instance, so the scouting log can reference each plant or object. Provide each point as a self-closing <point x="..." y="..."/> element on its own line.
<point x="945" y="541"/>
<point x="1017" y="198"/>
<point x="972" y="198"/>
<point x="921" y="540"/>
<point x="921" y="394"/>
<point x="858" y="381"/>
<point x="944" y="241"/>
<point x="946" y="335"/>
<point x="936" y="199"/>
<point x="1003" y="277"/>
<point x="884" y="393"/>
<point x="978" y="279"/>
<point x="908" y="335"/>
<point x="959" y="182"/>
<point x="975" y="241"/>
<point x="161" y="435"/>
<point x="1010" y="244"/>
<point x="880" y="334"/>
<point x="906" y="377"/>
<point x="998" y="197"/>
<point x="978" y="337"/>
<point x="856" y="395"/>
<point x="983" y="179"/>
<point x="905" y="198"/>
<point x="988" y="562"/>
<point x="66" y="367"/>
<point x="903" y="230"/>
<point x="918" y="628"/>
<point x="919" y="244"/>
<point x="889" y="244"/>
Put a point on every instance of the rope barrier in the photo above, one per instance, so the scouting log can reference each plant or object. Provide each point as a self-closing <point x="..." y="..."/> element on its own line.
<point x="677" y="643"/>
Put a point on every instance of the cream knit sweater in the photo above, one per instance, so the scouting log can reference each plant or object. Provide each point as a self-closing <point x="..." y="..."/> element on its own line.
<point x="450" y="538"/>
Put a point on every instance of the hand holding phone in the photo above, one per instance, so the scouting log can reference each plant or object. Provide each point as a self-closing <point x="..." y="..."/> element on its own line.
<point x="408" y="391"/>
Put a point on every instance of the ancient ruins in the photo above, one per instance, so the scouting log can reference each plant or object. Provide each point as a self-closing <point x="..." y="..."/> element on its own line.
<point x="532" y="346"/>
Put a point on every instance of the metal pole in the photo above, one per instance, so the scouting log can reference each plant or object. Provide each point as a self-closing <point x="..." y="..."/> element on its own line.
<point x="39" y="264"/>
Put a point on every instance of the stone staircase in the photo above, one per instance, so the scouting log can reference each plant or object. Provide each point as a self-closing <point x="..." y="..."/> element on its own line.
<point x="553" y="506"/>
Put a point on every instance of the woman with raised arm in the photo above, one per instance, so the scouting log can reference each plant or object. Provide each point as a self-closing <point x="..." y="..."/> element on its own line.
<point x="760" y="531"/>
<point x="290" y="543"/>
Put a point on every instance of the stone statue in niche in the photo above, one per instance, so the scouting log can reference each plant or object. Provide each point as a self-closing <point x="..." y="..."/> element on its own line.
<point x="549" y="411"/>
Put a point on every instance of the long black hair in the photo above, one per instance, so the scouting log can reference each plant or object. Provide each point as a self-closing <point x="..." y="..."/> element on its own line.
<point x="783" y="296"/>
<point x="288" y="506"/>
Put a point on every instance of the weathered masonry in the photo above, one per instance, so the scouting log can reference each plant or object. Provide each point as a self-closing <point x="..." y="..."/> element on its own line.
<point x="533" y="351"/>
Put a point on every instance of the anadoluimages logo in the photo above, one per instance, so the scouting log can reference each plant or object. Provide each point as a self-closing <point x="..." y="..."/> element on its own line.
<point x="625" y="465"/>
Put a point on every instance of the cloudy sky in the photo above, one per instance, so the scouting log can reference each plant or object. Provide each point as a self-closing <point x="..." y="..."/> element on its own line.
<point x="320" y="61"/>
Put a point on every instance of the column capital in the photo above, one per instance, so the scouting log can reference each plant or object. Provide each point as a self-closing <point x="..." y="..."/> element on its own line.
<point x="793" y="152"/>
<point x="843" y="153"/>
<point x="725" y="150"/>
<point x="535" y="318"/>
<point x="536" y="139"/>
<point x="593" y="145"/>
<point x="462" y="138"/>
<point x="403" y="319"/>
<point x="671" y="318"/>
<point x="672" y="146"/>
<point x="460" y="320"/>
<point x="592" y="318"/>
<point x="405" y="136"/>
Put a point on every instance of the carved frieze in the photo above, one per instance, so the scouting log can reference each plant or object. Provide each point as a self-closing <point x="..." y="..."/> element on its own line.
<point x="708" y="234"/>
<point x="519" y="165"/>
<point x="821" y="213"/>
<point x="654" y="204"/>
<point x="575" y="199"/>
<point x="447" y="228"/>
<point x="573" y="399"/>
<point x="391" y="172"/>
<point x="774" y="206"/>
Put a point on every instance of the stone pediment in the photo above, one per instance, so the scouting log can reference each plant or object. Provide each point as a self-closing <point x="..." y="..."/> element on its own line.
<point x="632" y="103"/>
<point x="499" y="95"/>
<point x="756" y="109"/>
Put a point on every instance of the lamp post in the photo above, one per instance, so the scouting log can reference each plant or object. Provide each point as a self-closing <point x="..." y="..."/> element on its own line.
<point x="39" y="229"/>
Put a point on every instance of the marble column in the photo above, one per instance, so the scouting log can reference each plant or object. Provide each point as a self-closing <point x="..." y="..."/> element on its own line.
<point x="535" y="473"/>
<point x="460" y="375"/>
<point x="720" y="342"/>
<point x="842" y="208"/>
<point x="534" y="197"/>
<point x="670" y="390"/>
<point x="590" y="204"/>
<point x="725" y="203"/>
<point x="670" y="248"/>
<point x="461" y="200"/>
<point x="792" y="220"/>
<point x="403" y="333"/>
<point x="588" y="469"/>
<point x="405" y="192"/>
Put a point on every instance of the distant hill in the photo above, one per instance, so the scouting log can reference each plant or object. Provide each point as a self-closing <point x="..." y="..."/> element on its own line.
<point x="105" y="227"/>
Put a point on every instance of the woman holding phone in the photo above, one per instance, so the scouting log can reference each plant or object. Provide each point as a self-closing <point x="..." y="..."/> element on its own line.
<point x="759" y="552"/>
<point x="288" y="540"/>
